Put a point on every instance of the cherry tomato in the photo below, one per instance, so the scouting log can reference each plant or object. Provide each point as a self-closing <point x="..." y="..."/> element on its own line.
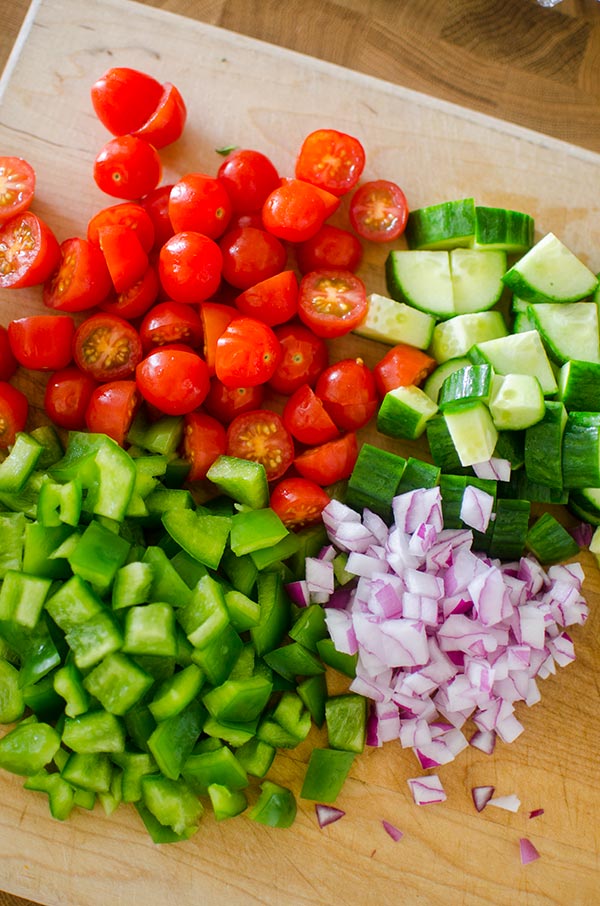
<point x="66" y="397"/>
<point x="134" y="217"/>
<point x="331" y="159"/>
<point x="156" y="206"/>
<point x="176" y="381"/>
<point x="107" y="347"/>
<point x="165" y="124"/>
<point x="215" y="317"/>
<point x="307" y="419"/>
<point x="247" y="353"/>
<point x="125" y="258"/>
<point x="249" y="177"/>
<point x="189" y="267"/>
<point x="42" y="342"/>
<point x="127" y="167"/>
<point x="294" y="211"/>
<point x="199" y="202"/>
<point x="137" y="299"/>
<point x="225" y="403"/>
<point x="329" y="462"/>
<point x="303" y="358"/>
<point x="261" y="436"/>
<point x="29" y="251"/>
<point x="332" y="247"/>
<point x="402" y="365"/>
<point x="111" y="409"/>
<point x="298" y="502"/>
<point x="332" y="303"/>
<point x="171" y="322"/>
<point x="379" y="211"/>
<point x="204" y="439"/>
<point x="14" y="410"/>
<point x="8" y="363"/>
<point x="254" y="219"/>
<point x="17" y="186"/>
<point x="251" y="255"/>
<point x="124" y="98"/>
<point x="274" y="300"/>
<point x="347" y="389"/>
<point x="81" y="280"/>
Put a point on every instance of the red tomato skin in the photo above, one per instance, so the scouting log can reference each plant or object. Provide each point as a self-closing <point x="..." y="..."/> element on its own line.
<point x="176" y="381"/>
<point x="332" y="247"/>
<point x="379" y="211"/>
<point x="127" y="167"/>
<point x="307" y="419"/>
<point x="107" y="347"/>
<point x="393" y="370"/>
<point x="329" y="462"/>
<point x="8" y="363"/>
<point x="81" y="280"/>
<point x="224" y="403"/>
<point x="189" y="267"/>
<point x="17" y="186"/>
<point x="36" y="258"/>
<point x="251" y="255"/>
<point x="249" y="177"/>
<point x="260" y="435"/>
<point x="42" y="342"/>
<point x="331" y="159"/>
<point x="348" y="392"/>
<point x="298" y="502"/>
<point x="128" y="214"/>
<point x="171" y="322"/>
<point x="247" y="353"/>
<point x="66" y="397"/>
<point x="294" y="211"/>
<point x="156" y="206"/>
<point x="204" y="439"/>
<point x="124" y="98"/>
<point x="331" y="302"/>
<point x="14" y="410"/>
<point x="111" y="409"/>
<point x="215" y="317"/>
<point x="125" y="257"/>
<point x="274" y="300"/>
<point x="135" y="301"/>
<point x="303" y="357"/>
<point x="165" y="125"/>
<point x="200" y="203"/>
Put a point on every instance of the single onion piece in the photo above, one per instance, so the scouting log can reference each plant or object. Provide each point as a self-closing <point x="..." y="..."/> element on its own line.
<point x="484" y="740"/>
<point x="327" y="814"/>
<point x="394" y="832"/>
<point x="476" y="508"/>
<point x="481" y="796"/>
<point x="510" y="803"/>
<point x="582" y="534"/>
<point x="528" y="851"/>
<point x="493" y="468"/>
<point x="536" y="812"/>
<point x="298" y="592"/>
<point x="427" y="790"/>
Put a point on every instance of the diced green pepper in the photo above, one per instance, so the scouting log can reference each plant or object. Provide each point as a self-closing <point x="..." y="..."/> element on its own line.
<point x="256" y="756"/>
<point x="28" y="748"/>
<point x="294" y="660"/>
<point x="37" y="652"/>
<point x="242" y="479"/>
<point x="275" y="613"/>
<point x="98" y="555"/>
<point x="61" y="797"/>
<point x="217" y="766"/>
<point x="343" y="663"/>
<point x="275" y="807"/>
<point x="310" y="627"/>
<point x="173" y="740"/>
<point x="94" y="731"/>
<point x="134" y="766"/>
<point x="132" y="584"/>
<point x="89" y="771"/>
<point x="226" y="803"/>
<point x="22" y="597"/>
<point x="167" y="584"/>
<point x="12" y="703"/>
<point x="68" y="682"/>
<point x="244" y="613"/>
<point x="231" y="733"/>
<point x="202" y="535"/>
<point x="40" y="544"/>
<point x="150" y="629"/>
<point x="117" y="683"/>
<point x="313" y="692"/>
<point x="177" y="692"/>
<point x="238" y="699"/>
<point x="59" y="503"/>
<point x="326" y="774"/>
<point x="241" y="571"/>
<point x="346" y="717"/>
<point x="172" y="803"/>
<point x="42" y="699"/>
<point x="252" y="530"/>
<point x="205" y="615"/>
<point x="218" y="657"/>
<point x="20" y="463"/>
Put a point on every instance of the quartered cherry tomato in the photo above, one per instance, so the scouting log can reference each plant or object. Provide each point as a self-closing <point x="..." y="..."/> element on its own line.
<point x="332" y="303"/>
<point x="175" y="380"/>
<point x="261" y="436"/>
<point x="329" y="462"/>
<point x="111" y="409"/>
<point x="171" y="322"/>
<point x="402" y="365"/>
<point x="249" y="177"/>
<point x="204" y="439"/>
<point x="42" y="342"/>
<point x="307" y="419"/>
<point x="189" y="267"/>
<point x="135" y="301"/>
<point x="250" y="255"/>
<point x="124" y="98"/>
<point x="247" y="353"/>
<point x="348" y="392"/>
<point x="14" y="410"/>
<point x="274" y="300"/>
<point x="298" y="502"/>
<point x="81" y="280"/>
<point x="8" y="363"/>
<point x="156" y="206"/>
<point x="200" y="202"/>
<point x="331" y="159"/>
<point x="128" y="214"/>
<point x="165" y="125"/>
<point x="303" y="357"/>
<point x="127" y="167"/>
<point x="66" y="397"/>
<point x="379" y="211"/>
<point x="29" y="251"/>
<point x="215" y="317"/>
<point x="17" y="186"/>
<point x="124" y="254"/>
<point x="294" y="211"/>
<point x="225" y="403"/>
<point x="107" y="347"/>
<point x="332" y="247"/>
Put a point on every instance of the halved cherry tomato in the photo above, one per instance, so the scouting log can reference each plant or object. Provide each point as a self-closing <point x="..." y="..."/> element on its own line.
<point x="107" y="347"/>
<point x="247" y="353"/>
<point x="307" y="419"/>
<point x="379" y="211"/>
<point x="215" y="317"/>
<point x="329" y="462"/>
<point x="156" y="205"/>
<point x="165" y="124"/>
<point x="42" y="342"/>
<point x="135" y="301"/>
<point x="66" y="397"/>
<point x="204" y="439"/>
<point x="303" y="357"/>
<point x="200" y="202"/>
<point x="8" y="363"/>
<point x="111" y="409"/>
<point x="225" y="403"/>
<point x="261" y="436"/>
<point x="14" y="410"/>
<point x="125" y="257"/>
<point x="189" y="267"/>
<point x="249" y="177"/>
<point x="347" y="390"/>
<point x="176" y="381"/>
<point x="82" y="279"/>
<point x="127" y="167"/>
<point x="331" y="302"/>
<point x="29" y="251"/>
<point x="401" y="366"/>
<point x="251" y="255"/>
<point x="331" y="159"/>
<point x="274" y="300"/>
<point x="124" y="98"/>
<point x="294" y="211"/>
<point x="332" y="247"/>
<point x="17" y="186"/>
<point x="171" y="322"/>
<point x="128" y="214"/>
<point x="298" y="502"/>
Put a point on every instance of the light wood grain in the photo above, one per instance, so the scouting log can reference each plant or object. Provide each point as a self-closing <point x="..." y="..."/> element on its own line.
<point x="238" y="90"/>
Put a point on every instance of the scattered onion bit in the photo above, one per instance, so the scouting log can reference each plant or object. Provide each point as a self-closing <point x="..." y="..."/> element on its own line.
<point x="481" y="796"/>
<point x="582" y="533"/>
<point x="536" y="812"/>
<point x="427" y="790"/>
<point x="394" y="832"/>
<point x="327" y="814"/>
<point x="528" y="851"/>
<point x="510" y="803"/>
<point x="484" y="740"/>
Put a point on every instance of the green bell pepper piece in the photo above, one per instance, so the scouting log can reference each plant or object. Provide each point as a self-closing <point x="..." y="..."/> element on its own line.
<point x="68" y="683"/>
<point x="35" y="648"/>
<point x="275" y="807"/>
<point x="294" y="660"/>
<point x="134" y="766"/>
<point x="205" y="615"/>
<point x="244" y="613"/>
<point x="20" y="463"/>
<point x="12" y="703"/>
<point x="275" y="612"/>
<point x="132" y="584"/>
<point x="176" y="692"/>
<point x="217" y="766"/>
<point x="310" y="627"/>
<point x="343" y="663"/>
<point x="172" y="803"/>
<point x="52" y="448"/>
<point x="202" y="535"/>
<point x="117" y="682"/>
<point x="90" y="771"/>
<point x="173" y="740"/>
<point x="240" y="571"/>
<point x="59" y="503"/>
<point x="167" y="584"/>
<point x="346" y="717"/>
<point x="238" y="699"/>
<point x="256" y="756"/>
<point x="98" y="555"/>
<point x="234" y="734"/>
<point x="150" y="629"/>
<point x="242" y="479"/>
<point x="61" y="797"/>
<point x="275" y="554"/>
<point x="12" y="532"/>
<point x="161" y="436"/>
<point x="313" y="692"/>
<point x="22" y="597"/>
<point x="326" y="774"/>
<point x="28" y="748"/>
<point x="218" y="657"/>
<point x="39" y="544"/>
<point x="252" y="530"/>
<point x="42" y="699"/>
<point x="226" y="803"/>
<point x="94" y="731"/>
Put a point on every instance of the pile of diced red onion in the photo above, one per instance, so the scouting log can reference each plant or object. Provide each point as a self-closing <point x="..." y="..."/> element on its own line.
<point x="444" y="634"/>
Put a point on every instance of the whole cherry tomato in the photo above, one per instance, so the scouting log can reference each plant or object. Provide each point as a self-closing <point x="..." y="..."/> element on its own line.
<point x="249" y="177"/>
<point x="379" y="211"/>
<point x="331" y="302"/>
<point x="189" y="267"/>
<point x="304" y="355"/>
<point x="81" y="280"/>
<point x="66" y="397"/>
<point x="124" y="98"/>
<point x="329" y="462"/>
<point x="250" y="255"/>
<point x="274" y="300"/>
<point x="204" y="439"/>
<point x="225" y="403"/>
<point x="332" y="247"/>
<point x="247" y="353"/>
<point x="331" y="159"/>
<point x="294" y="211"/>
<point x="133" y="217"/>
<point x="298" y="502"/>
<point x="14" y="410"/>
<point x="17" y="186"/>
<point x="174" y="380"/>
<point x="107" y="347"/>
<point x="261" y="436"/>
<point x="127" y="167"/>
<point x="200" y="202"/>
<point x="42" y="342"/>
<point x="111" y="409"/>
<point x="348" y="392"/>
<point x="171" y="322"/>
<point x="29" y="251"/>
<point x="307" y="419"/>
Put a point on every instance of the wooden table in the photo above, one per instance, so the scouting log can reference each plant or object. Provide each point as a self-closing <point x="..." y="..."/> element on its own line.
<point x="538" y="68"/>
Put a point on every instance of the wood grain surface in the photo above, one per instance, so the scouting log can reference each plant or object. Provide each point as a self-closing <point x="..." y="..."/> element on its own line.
<point x="511" y="59"/>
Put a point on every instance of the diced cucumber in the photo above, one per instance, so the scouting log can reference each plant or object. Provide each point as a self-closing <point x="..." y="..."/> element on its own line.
<point x="404" y="412"/>
<point x="473" y="433"/>
<point x="464" y="386"/>
<point x="579" y="385"/>
<point x="433" y="383"/>
<point x="509" y="528"/>
<point x="569" y="330"/>
<point x="549" y="541"/>
<point x="441" y="446"/>
<point x="456" y="336"/>
<point x="585" y="503"/>
<point x="442" y="226"/>
<point x="523" y="322"/>
<point x="550" y="272"/>
<point x="501" y="228"/>
<point x="516" y="401"/>
<point x="581" y="450"/>
<point x="391" y="322"/>
<point x="520" y="353"/>
<point x="421" y="279"/>
<point x="543" y="446"/>
<point x="476" y="279"/>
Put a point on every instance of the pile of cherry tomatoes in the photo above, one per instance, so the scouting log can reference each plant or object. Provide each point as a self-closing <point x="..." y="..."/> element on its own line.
<point x="190" y="304"/>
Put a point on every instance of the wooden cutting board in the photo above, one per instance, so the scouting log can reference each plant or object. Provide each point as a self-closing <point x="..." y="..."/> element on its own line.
<point x="248" y="93"/>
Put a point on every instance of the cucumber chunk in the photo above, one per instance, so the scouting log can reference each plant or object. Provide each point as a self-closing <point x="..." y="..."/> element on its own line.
<point x="521" y="353"/>
<point x="391" y="322"/>
<point x="579" y="385"/>
<point x="433" y="384"/>
<point x="404" y="412"/>
<point x="516" y="401"/>
<point x="456" y="337"/>
<point x="464" y="386"/>
<point x="473" y="433"/>
<point x="442" y="226"/>
<point x="422" y="279"/>
<point x="569" y="330"/>
<point x="543" y="446"/>
<point x="550" y="272"/>
<point x="476" y="279"/>
<point x="500" y="228"/>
